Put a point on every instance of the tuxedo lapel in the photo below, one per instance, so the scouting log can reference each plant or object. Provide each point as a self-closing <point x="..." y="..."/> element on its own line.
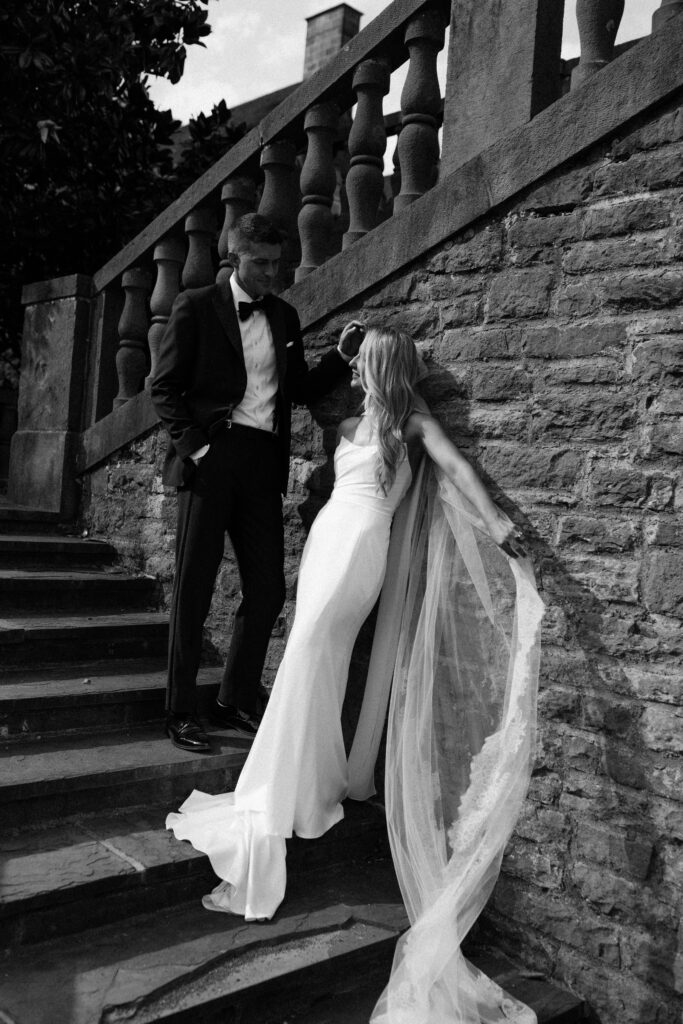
<point x="273" y="311"/>
<point x="225" y="310"/>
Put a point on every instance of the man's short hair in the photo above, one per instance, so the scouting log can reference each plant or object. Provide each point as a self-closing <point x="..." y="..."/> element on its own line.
<point x="253" y="228"/>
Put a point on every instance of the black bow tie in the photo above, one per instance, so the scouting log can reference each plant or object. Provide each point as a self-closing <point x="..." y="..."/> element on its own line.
<point x="245" y="309"/>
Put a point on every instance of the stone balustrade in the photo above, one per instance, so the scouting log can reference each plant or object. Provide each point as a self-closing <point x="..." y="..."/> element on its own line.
<point x="598" y="22"/>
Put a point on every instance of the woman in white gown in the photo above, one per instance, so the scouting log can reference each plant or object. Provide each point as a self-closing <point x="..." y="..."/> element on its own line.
<point x="297" y="774"/>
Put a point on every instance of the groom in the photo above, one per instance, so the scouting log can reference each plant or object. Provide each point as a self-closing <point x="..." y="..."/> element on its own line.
<point x="231" y="363"/>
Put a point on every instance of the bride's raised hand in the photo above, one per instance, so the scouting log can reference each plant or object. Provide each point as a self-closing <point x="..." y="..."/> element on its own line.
<point x="506" y="535"/>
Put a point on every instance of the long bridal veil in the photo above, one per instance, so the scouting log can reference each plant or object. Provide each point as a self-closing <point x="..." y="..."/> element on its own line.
<point x="457" y="630"/>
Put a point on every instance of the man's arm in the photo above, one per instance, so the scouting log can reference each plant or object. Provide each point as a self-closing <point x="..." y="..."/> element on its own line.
<point x="308" y="385"/>
<point x="175" y="366"/>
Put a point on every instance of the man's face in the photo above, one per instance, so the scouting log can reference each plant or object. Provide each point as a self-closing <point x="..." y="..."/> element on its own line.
<point x="256" y="267"/>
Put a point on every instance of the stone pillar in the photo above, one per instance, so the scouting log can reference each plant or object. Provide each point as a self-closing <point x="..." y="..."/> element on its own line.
<point x="598" y="22"/>
<point x="367" y="142"/>
<point x="169" y="256"/>
<point x="669" y="9"/>
<point x="327" y="33"/>
<point x="53" y="376"/>
<point x="238" y="196"/>
<point x="503" y="69"/>
<point x="132" y="356"/>
<point x="280" y="202"/>
<point x="200" y="228"/>
<point x="318" y="182"/>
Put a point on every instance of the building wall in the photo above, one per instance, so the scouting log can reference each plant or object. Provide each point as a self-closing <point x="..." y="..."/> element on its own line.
<point x="554" y="332"/>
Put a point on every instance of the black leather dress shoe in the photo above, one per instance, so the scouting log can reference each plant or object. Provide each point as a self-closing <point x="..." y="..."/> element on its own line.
<point x="227" y="716"/>
<point x="187" y="734"/>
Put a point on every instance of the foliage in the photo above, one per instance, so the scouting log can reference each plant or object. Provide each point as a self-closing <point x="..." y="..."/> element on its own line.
<point x="85" y="157"/>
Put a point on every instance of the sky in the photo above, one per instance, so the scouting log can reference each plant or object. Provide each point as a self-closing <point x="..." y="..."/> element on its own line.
<point x="257" y="46"/>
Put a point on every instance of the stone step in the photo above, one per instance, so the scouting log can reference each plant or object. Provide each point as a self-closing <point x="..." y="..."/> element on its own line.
<point x="323" y="959"/>
<point x="52" y="779"/>
<point x="80" y="589"/>
<point x="41" y="705"/>
<point x="42" y="640"/>
<point x="20" y="519"/>
<point x="35" y="550"/>
<point x="59" y="880"/>
<point x="334" y="933"/>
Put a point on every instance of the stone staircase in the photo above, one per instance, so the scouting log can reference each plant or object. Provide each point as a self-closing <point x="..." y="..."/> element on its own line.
<point x="100" y="906"/>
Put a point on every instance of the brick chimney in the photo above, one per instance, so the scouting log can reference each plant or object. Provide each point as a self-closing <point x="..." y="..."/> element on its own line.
<point x="327" y="33"/>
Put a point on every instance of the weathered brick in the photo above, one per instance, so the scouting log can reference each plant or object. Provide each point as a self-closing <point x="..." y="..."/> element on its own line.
<point x="650" y="957"/>
<point x="666" y="777"/>
<point x="655" y="683"/>
<point x="610" y="254"/>
<point x="597" y="534"/>
<point x="614" y="848"/>
<point x="659" y="358"/>
<point x="669" y="402"/>
<point x="579" y="300"/>
<point x="466" y="344"/>
<point x="585" y="413"/>
<point x="663" y="582"/>
<point x="473" y="251"/>
<point x="661" y="489"/>
<point x="529" y="236"/>
<point x="616" y="483"/>
<point x="578" y="371"/>
<point x="581" y="752"/>
<point x="519" y="293"/>
<point x="625" y="217"/>
<point x="667" y="127"/>
<point x="607" y="579"/>
<point x="615" y="996"/>
<point x="464" y="310"/>
<point x="665" y="532"/>
<point x="662" y="728"/>
<point x="561" y="190"/>
<point x="542" y="866"/>
<point x="448" y="287"/>
<point x="573" y="340"/>
<point x="664" y="438"/>
<point x="654" y="289"/>
<point x="498" y="383"/>
<point x="522" y="466"/>
<point x="643" y="171"/>
<point x="506" y="423"/>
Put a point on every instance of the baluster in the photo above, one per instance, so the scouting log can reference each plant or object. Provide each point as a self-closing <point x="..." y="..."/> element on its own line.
<point x="318" y="183"/>
<point x="169" y="255"/>
<point x="598" y="22"/>
<point x="131" y="358"/>
<point x="418" y="143"/>
<point x="239" y="197"/>
<point x="367" y="142"/>
<point x="667" y="10"/>
<point x="280" y="201"/>
<point x="200" y="228"/>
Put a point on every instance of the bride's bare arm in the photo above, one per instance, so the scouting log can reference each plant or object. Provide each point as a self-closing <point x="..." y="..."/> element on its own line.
<point x="425" y="429"/>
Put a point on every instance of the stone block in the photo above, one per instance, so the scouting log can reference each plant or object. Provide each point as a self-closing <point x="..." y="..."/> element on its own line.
<point x="544" y="867"/>
<point x="642" y="172"/>
<point x="558" y="705"/>
<point x="626" y="766"/>
<point x="607" y="579"/>
<point x="667" y="532"/>
<point x="666" y="127"/>
<point x="464" y="310"/>
<point x="445" y="288"/>
<point x="520" y="294"/>
<point x="579" y="300"/>
<point x="533" y="234"/>
<point x="522" y="466"/>
<point x="581" y="752"/>
<point x="589" y="414"/>
<point x="624" y="218"/>
<point x="622" y="853"/>
<point x="654" y="683"/>
<point x="578" y="371"/>
<point x="616" y="483"/>
<point x="573" y="341"/>
<point x="498" y="383"/>
<point x="597" y="534"/>
<point x="643" y="289"/>
<point x="664" y="438"/>
<point x="666" y="779"/>
<point x="663" y="582"/>
<point x="662" y="728"/>
<point x="658" y="359"/>
<point x="561" y="190"/>
<point x="41" y="472"/>
<point x="472" y="251"/>
<point x="661" y="489"/>
<point x="506" y="423"/>
<point x="610" y="254"/>
<point x="467" y="344"/>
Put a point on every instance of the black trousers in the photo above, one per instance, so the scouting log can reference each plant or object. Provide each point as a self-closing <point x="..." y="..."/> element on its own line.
<point x="235" y="490"/>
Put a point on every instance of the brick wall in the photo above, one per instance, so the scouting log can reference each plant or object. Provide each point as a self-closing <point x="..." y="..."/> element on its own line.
<point x="554" y="330"/>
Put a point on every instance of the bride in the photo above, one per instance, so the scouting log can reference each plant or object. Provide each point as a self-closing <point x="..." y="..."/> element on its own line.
<point x="457" y="632"/>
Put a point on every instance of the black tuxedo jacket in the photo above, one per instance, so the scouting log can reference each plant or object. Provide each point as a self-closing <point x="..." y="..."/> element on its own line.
<point x="201" y="376"/>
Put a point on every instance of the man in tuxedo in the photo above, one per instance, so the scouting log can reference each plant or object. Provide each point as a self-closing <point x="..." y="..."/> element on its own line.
<point x="231" y="363"/>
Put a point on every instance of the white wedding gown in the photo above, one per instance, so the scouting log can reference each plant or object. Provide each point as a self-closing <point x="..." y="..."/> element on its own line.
<point x="296" y="774"/>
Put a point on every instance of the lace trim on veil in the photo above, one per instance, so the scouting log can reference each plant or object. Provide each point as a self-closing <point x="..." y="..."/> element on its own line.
<point x="457" y="631"/>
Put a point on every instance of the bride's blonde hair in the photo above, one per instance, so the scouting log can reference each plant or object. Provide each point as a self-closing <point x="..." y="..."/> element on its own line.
<point x="388" y="373"/>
